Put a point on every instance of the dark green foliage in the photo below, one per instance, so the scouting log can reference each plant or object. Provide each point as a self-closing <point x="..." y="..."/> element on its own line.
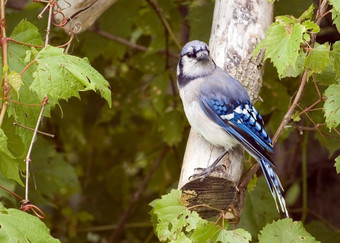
<point x="96" y="169"/>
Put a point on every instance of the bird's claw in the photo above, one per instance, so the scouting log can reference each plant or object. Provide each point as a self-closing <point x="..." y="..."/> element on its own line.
<point x="205" y="172"/>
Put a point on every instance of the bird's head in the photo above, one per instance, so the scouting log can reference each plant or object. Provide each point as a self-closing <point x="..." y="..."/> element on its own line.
<point x="194" y="62"/>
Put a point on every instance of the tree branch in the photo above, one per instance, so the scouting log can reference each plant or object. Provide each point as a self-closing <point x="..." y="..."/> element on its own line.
<point x="126" y="42"/>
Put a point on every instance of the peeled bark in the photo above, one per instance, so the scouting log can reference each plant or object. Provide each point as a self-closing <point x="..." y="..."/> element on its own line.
<point x="238" y="26"/>
<point x="81" y="14"/>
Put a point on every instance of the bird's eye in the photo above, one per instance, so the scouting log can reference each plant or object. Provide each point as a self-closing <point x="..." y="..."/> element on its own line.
<point x="191" y="55"/>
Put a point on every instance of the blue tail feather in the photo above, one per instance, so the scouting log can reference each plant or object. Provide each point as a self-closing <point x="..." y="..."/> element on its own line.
<point x="274" y="184"/>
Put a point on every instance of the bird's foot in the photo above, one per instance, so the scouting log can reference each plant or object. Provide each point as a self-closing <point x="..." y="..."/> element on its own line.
<point x="205" y="172"/>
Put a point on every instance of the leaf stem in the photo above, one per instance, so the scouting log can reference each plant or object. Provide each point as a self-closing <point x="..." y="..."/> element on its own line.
<point x="158" y="10"/>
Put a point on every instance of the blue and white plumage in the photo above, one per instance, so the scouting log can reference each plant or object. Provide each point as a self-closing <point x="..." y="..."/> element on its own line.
<point x="218" y="107"/>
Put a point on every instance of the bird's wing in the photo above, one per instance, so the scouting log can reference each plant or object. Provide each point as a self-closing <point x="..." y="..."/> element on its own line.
<point x="239" y="119"/>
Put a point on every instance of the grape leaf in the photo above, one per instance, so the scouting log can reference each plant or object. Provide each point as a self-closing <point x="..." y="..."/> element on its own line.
<point x="285" y="230"/>
<point x="24" y="115"/>
<point x="234" y="236"/>
<point x="336" y="18"/>
<point x="332" y="106"/>
<point x="318" y="58"/>
<point x="18" y="226"/>
<point x="8" y="166"/>
<point x="308" y="14"/>
<point x="206" y="233"/>
<point x="337" y="164"/>
<point x="336" y="4"/>
<point x="61" y="76"/>
<point x="282" y="45"/>
<point x="336" y="58"/>
<point x="171" y="217"/>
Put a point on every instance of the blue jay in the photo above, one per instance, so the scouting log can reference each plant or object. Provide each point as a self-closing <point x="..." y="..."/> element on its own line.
<point x="218" y="107"/>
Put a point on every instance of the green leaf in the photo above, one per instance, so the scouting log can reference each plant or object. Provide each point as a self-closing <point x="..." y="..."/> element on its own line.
<point x="336" y="4"/>
<point x="311" y="26"/>
<point x="308" y="14"/>
<point x="14" y="79"/>
<point x="318" y="58"/>
<point x="336" y="58"/>
<point x="172" y="218"/>
<point x="24" y="115"/>
<point x="283" y="45"/>
<point x="336" y="18"/>
<point x="285" y="230"/>
<point x="18" y="226"/>
<point x="8" y="166"/>
<point x="259" y="209"/>
<point x="206" y="233"/>
<point x="234" y="236"/>
<point x="28" y="33"/>
<point x="337" y="164"/>
<point x="296" y="116"/>
<point x="61" y="76"/>
<point x="332" y="106"/>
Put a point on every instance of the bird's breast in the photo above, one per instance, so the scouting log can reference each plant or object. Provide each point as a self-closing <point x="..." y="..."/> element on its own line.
<point x="200" y="122"/>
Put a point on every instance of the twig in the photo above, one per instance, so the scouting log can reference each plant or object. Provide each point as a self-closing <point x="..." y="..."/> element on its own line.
<point x="126" y="42"/>
<point x="135" y="197"/>
<point x="31" y="129"/>
<point x="27" y="67"/>
<point x="114" y="226"/>
<point x="291" y="109"/>
<point x="40" y="15"/>
<point x="28" y="157"/>
<point x="49" y="23"/>
<point x="23" y="43"/>
<point x="158" y="10"/>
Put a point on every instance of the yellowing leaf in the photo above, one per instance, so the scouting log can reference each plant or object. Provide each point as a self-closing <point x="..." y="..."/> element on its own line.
<point x="15" y="80"/>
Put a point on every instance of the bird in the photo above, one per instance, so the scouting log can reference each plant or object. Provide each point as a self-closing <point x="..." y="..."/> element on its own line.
<point x="218" y="108"/>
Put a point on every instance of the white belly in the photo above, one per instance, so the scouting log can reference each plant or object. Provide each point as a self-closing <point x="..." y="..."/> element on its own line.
<point x="202" y="124"/>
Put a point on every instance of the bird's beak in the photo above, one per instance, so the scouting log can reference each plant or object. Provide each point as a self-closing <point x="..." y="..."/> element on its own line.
<point x="203" y="56"/>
